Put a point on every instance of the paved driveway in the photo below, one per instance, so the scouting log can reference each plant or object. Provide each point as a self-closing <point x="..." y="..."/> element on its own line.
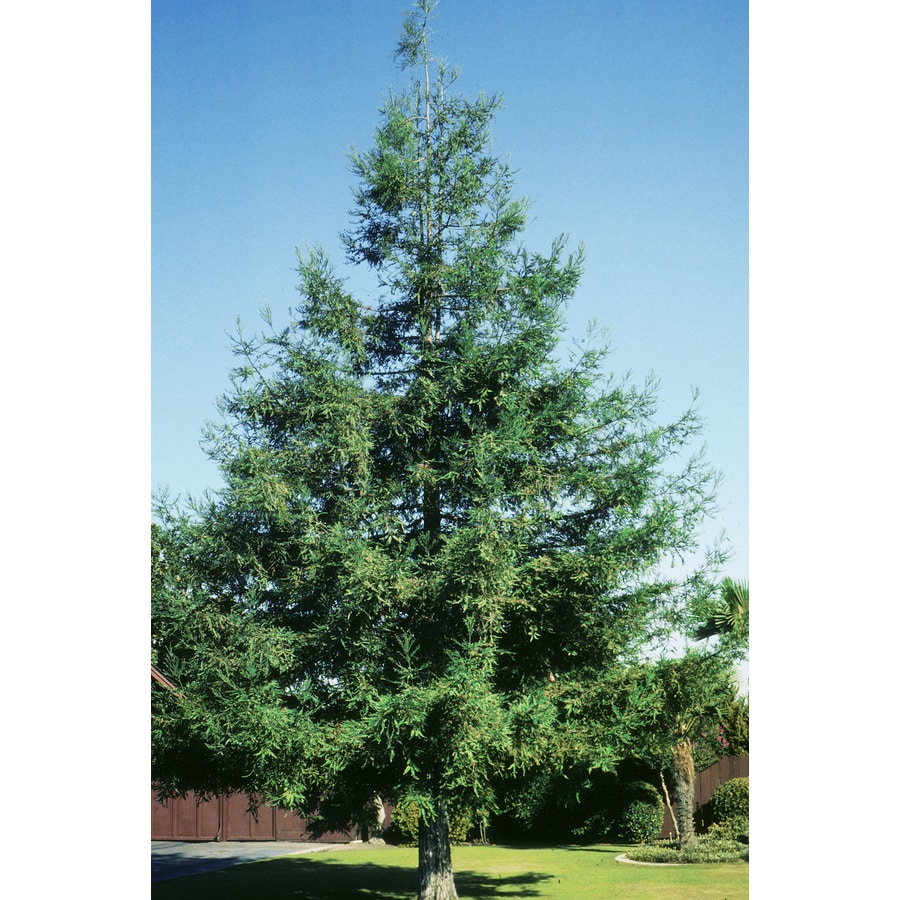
<point x="172" y="859"/>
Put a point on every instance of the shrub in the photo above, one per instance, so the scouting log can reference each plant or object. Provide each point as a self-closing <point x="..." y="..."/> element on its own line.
<point x="642" y="812"/>
<point x="405" y="824"/>
<point x="530" y="802"/>
<point x="706" y="849"/>
<point x="558" y="807"/>
<point x="575" y="805"/>
<point x="731" y="801"/>
<point x="735" y="829"/>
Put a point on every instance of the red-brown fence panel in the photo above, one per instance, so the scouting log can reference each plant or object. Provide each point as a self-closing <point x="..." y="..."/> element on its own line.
<point x="240" y="824"/>
<point x="230" y="819"/>
<point x="184" y="819"/>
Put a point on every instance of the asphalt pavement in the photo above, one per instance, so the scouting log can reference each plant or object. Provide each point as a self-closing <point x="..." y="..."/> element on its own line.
<point x="174" y="859"/>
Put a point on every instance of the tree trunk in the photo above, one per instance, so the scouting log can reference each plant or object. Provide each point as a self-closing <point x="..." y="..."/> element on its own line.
<point x="435" y="870"/>
<point x="683" y="766"/>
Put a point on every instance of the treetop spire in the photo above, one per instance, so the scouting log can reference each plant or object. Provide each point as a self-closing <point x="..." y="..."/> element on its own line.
<point x="412" y="49"/>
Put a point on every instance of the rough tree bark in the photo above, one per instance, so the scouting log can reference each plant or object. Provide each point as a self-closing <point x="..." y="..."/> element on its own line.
<point x="683" y="767"/>
<point x="435" y="869"/>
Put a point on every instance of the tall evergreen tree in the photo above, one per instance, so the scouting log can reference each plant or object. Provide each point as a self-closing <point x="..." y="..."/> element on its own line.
<point x="437" y="542"/>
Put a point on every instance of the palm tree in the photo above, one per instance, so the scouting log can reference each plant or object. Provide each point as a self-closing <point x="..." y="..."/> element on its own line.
<point x="731" y="615"/>
<point x="690" y="689"/>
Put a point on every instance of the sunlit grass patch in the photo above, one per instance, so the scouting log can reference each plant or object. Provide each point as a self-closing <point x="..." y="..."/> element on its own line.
<point x="482" y="873"/>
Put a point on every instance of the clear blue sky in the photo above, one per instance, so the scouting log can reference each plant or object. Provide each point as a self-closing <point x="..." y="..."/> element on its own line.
<point x="626" y="121"/>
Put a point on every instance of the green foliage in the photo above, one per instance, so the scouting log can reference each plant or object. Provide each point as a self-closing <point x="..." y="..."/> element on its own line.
<point x="690" y="694"/>
<point x="557" y="807"/>
<point x="525" y="806"/>
<point x="723" y="732"/>
<point x="731" y="801"/>
<point x="428" y="509"/>
<point x="578" y="805"/>
<point x="642" y="813"/>
<point x="695" y="700"/>
<point x="727" y="617"/>
<point x="735" y="829"/>
<point x="736" y="719"/>
<point x="404" y="827"/>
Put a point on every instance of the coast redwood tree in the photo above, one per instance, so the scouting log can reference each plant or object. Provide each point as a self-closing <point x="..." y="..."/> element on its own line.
<point x="439" y="539"/>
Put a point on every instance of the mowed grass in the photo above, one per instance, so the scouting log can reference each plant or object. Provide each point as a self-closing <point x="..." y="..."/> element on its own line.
<point x="482" y="873"/>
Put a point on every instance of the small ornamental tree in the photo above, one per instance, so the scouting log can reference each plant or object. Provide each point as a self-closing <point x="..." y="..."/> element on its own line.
<point x="438" y="543"/>
<point x="692" y="693"/>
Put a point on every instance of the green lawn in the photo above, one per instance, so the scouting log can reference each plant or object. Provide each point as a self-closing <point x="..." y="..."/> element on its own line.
<point x="482" y="873"/>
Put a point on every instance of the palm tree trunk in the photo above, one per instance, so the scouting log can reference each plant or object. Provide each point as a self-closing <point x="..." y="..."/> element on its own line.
<point x="683" y="768"/>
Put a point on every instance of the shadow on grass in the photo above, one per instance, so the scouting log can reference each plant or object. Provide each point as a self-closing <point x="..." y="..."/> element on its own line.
<point x="578" y="848"/>
<point x="606" y="849"/>
<point x="610" y="851"/>
<point x="302" y="878"/>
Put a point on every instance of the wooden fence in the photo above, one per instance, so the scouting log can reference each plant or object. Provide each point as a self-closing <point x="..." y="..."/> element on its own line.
<point x="704" y="784"/>
<point x="230" y="819"/>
